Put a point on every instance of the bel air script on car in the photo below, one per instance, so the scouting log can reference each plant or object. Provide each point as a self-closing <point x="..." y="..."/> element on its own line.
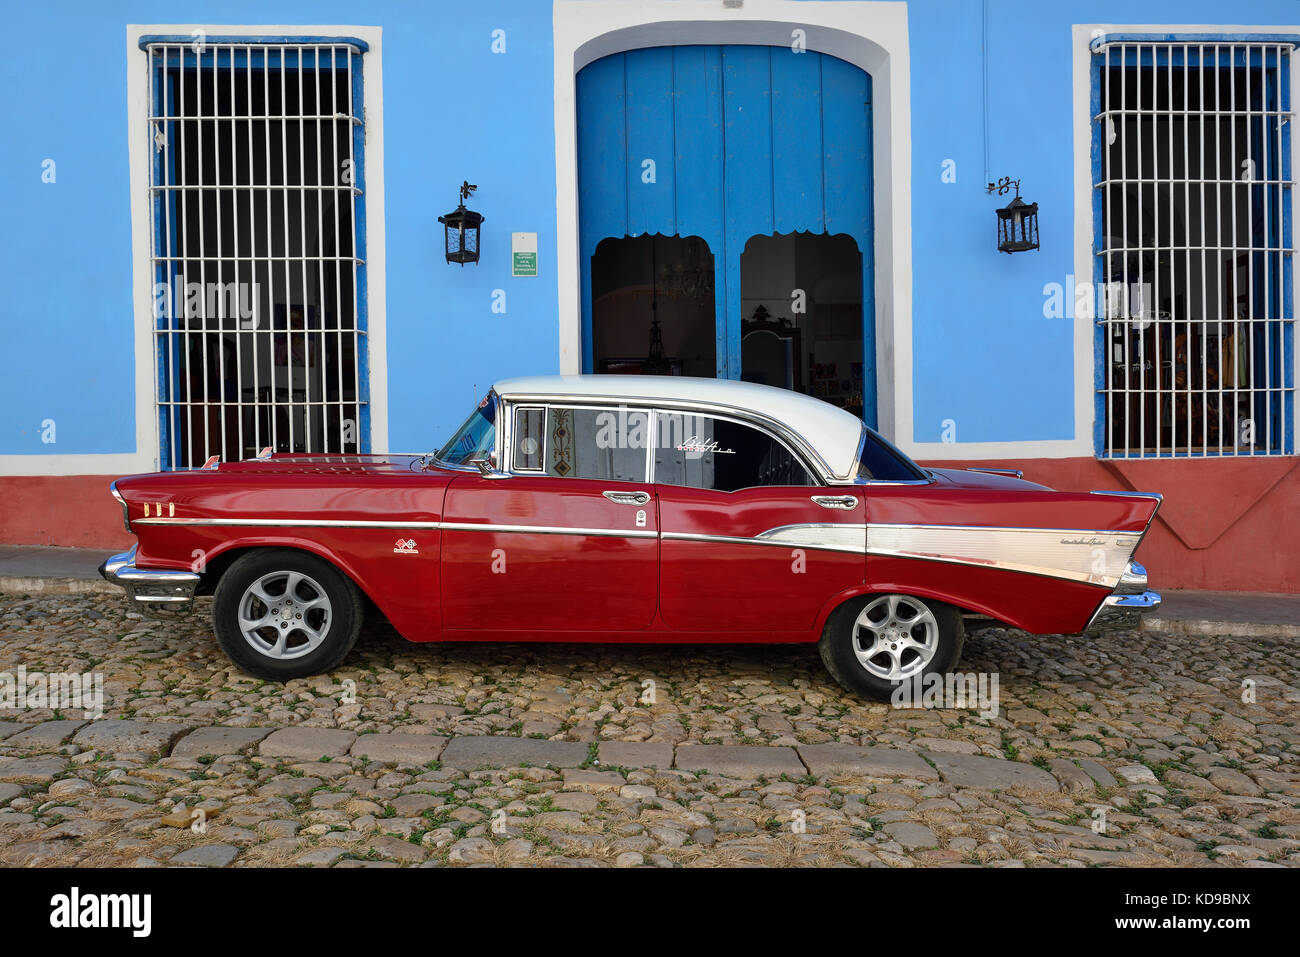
<point x="632" y="509"/>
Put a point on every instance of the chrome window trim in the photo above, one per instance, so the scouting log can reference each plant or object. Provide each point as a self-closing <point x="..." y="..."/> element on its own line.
<point x="925" y="481"/>
<point x="432" y="457"/>
<point x="511" y="403"/>
<point x="670" y="410"/>
<point x="513" y="409"/>
<point x="747" y="416"/>
<point x="858" y="479"/>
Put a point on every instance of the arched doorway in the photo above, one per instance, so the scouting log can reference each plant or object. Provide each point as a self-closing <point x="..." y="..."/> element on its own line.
<point x="726" y="143"/>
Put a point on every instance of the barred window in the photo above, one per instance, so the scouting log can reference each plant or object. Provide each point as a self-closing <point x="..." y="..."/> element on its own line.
<point x="1192" y="208"/>
<point x="257" y="235"/>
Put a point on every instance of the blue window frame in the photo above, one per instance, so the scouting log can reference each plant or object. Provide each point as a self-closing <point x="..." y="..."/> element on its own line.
<point x="257" y="204"/>
<point x="1192" y="212"/>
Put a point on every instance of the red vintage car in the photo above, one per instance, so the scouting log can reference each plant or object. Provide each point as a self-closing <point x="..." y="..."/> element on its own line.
<point x="632" y="509"/>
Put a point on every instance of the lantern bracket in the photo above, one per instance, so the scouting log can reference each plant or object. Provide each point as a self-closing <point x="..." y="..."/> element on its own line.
<point x="1004" y="186"/>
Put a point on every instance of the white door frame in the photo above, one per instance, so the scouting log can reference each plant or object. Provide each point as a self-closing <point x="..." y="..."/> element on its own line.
<point x="870" y="34"/>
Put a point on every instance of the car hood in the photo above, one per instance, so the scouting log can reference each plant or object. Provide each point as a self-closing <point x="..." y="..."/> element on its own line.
<point x="296" y="464"/>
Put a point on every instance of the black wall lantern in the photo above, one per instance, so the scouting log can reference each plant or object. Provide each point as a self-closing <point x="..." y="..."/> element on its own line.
<point x="462" y="229"/>
<point x="1017" y="221"/>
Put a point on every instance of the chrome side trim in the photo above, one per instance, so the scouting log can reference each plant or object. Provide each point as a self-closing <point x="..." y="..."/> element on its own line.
<point x="286" y="523"/>
<point x="550" y="530"/>
<point x="346" y="523"/>
<point x="1014" y="473"/>
<point x="1098" y="557"/>
<point x="1094" y="557"/>
<point x="829" y="536"/>
<point x="850" y="538"/>
<point x="1154" y="495"/>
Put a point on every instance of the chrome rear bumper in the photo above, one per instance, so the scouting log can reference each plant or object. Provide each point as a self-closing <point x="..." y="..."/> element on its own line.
<point x="1130" y="596"/>
<point x="164" y="586"/>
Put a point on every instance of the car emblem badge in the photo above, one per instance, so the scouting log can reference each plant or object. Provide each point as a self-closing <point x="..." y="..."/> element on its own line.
<point x="405" y="546"/>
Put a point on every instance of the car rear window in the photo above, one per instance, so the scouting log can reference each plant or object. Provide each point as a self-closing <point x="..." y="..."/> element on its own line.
<point x="881" y="462"/>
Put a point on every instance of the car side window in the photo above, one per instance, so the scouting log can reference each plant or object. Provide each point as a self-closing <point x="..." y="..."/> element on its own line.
<point x="586" y="443"/>
<point x="528" y="438"/>
<point x="701" y="451"/>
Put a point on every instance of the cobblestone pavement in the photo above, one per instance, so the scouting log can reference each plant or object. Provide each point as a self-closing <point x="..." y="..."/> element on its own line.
<point x="1126" y="748"/>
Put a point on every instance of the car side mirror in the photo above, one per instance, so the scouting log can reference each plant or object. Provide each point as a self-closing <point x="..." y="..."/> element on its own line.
<point x="487" y="468"/>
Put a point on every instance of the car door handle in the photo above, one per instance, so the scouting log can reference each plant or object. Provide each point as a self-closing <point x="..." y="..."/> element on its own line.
<point x="845" y="502"/>
<point x="627" y="498"/>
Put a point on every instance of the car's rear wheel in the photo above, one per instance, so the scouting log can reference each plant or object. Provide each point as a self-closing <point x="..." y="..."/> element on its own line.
<point x="873" y="644"/>
<point x="282" y="614"/>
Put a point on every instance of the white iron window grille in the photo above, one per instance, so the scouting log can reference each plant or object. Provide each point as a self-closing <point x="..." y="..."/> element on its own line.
<point x="257" y="231"/>
<point x="1193" y="208"/>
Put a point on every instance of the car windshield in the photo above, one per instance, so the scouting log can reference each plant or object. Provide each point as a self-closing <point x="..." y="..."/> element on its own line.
<point x="476" y="438"/>
<point x="881" y="462"/>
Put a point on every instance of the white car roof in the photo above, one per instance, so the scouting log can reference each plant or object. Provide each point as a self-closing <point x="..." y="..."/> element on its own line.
<point x="831" y="433"/>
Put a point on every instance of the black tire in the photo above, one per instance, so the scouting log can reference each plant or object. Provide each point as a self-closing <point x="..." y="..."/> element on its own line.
<point x="837" y="645"/>
<point x="337" y="623"/>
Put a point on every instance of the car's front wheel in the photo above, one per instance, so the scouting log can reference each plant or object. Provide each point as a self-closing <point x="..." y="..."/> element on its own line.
<point x="281" y="614"/>
<point x="875" y="643"/>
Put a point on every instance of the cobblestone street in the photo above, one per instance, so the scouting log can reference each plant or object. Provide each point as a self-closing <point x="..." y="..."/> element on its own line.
<point x="1127" y="748"/>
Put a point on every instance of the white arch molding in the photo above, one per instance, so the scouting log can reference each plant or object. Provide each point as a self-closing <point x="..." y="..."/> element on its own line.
<point x="870" y="34"/>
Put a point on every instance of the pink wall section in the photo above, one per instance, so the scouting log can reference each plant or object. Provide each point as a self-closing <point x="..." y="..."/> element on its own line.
<point x="1226" y="524"/>
<point x="74" y="510"/>
<point x="1230" y="524"/>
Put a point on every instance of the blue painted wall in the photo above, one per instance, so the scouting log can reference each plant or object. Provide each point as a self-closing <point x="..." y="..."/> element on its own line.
<point x="984" y="355"/>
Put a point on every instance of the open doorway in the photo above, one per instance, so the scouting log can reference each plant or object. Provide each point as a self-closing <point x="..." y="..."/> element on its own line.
<point x="652" y="306"/>
<point x="801" y="299"/>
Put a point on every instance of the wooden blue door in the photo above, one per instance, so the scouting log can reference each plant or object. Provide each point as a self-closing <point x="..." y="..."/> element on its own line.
<point x="726" y="143"/>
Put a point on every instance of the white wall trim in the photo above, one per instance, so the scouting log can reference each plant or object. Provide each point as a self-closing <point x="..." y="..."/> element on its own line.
<point x="145" y="456"/>
<point x="870" y="34"/>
